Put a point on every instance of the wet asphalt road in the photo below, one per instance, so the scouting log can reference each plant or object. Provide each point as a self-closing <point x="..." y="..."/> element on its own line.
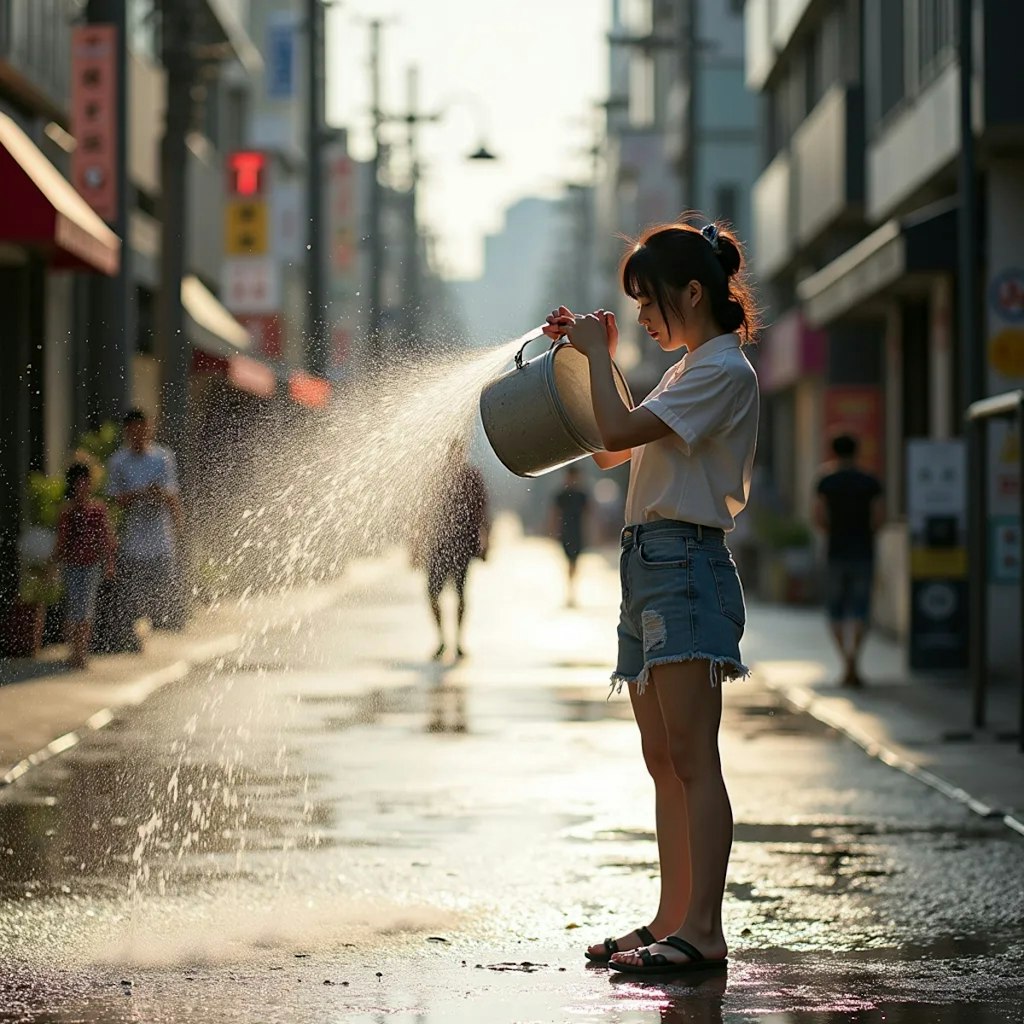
<point x="336" y="829"/>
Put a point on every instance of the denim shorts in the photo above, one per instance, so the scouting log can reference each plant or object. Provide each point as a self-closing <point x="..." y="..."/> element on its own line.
<point x="81" y="585"/>
<point x="682" y="600"/>
<point x="848" y="589"/>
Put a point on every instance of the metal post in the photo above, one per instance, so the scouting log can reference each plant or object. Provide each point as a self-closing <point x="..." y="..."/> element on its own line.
<point x="692" y="109"/>
<point x="972" y="365"/>
<point x="173" y="348"/>
<point x="114" y="323"/>
<point x="412" y="297"/>
<point x="1020" y="582"/>
<point x="376" y="261"/>
<point x="316" y="311"/>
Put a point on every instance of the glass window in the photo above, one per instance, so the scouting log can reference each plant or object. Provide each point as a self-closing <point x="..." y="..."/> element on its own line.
<point x="143" y="18"/>
<point x="935" y="34"/>
<point x="726" y="202"/>
<point x="885" y="59"/>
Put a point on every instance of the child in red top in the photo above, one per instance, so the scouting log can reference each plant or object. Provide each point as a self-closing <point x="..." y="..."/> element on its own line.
<point x="85" y="549"/>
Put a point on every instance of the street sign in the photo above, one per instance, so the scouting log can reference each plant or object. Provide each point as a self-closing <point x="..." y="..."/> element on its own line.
<point x="936" y="518"/>
<point x="246" y="228"/>
<point x="251" y="284"/>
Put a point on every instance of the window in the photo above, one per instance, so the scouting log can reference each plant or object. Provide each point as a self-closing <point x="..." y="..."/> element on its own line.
<point x="143" y="20"/>
<point x="885" y="60"/>
<point x="936" y="35"/>
<point x="726" y="202"/>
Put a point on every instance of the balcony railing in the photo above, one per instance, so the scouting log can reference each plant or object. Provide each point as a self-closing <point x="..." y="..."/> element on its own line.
<point x="35" y="40"/>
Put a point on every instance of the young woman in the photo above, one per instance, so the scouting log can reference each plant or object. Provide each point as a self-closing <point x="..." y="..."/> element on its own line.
<point x="691" y="446"/>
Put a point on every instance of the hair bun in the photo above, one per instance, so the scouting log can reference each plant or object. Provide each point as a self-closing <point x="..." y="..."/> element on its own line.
<point x="728" y="254"/>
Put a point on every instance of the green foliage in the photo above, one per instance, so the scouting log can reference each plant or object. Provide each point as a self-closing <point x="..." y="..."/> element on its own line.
<point x="39" y="584"/>
<point x="44" y="498"/>
<point x="101" y="443"/>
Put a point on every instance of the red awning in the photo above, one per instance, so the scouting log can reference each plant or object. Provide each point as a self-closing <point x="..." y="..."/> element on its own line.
<point x="42" y="209"/>
<point x="253" y="376"/>
<point x="314" y="392"/>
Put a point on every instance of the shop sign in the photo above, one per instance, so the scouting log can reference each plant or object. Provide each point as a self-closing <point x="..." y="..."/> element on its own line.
<point x="937" y="522"/>
<point x="855" y="410"/>
<point x="251" y="284"/>
<point x="1004" y="549"/>
<point x="94" y="93"/>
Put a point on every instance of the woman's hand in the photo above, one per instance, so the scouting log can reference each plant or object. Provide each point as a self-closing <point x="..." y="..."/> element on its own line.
<point x="558" y="321"/>
<point x="594" y="333"/>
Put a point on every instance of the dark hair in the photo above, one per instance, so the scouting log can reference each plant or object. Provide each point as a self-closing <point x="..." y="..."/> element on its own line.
<point x="76" y="471"/>
<point x="135" y="415"/>
<point x="844" y="446"/>
<point x="666" y="258"/>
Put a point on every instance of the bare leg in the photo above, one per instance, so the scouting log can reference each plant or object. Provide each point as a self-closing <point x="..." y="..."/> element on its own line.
<point x="459" y="620"/>
<point x="859" y="629"/>
<point x="435" y="609"/>
<point x="670" y="820"/>
<point x="692" y="711"/>
<point x="571" y="587"/>
<point x="79" y="636"/>
<point x="838" y="629"/>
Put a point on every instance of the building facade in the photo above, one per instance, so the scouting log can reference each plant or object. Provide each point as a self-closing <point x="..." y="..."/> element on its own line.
<point x="856" y="232"/>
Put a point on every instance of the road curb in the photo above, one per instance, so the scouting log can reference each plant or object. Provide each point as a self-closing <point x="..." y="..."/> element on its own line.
<point x="149" y="682"/>
<point x="206" y="652"/>
<point x="805" y="700"/>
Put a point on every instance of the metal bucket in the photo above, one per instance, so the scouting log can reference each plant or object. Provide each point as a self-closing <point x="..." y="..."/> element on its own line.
<point x="539" y="416"/>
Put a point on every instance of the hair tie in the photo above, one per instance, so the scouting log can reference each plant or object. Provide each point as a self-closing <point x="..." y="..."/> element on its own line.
<point x="710" y="232"/>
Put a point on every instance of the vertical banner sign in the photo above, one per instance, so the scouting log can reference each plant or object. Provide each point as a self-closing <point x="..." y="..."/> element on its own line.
<point x="94" y="92"/>
<point x="343" y="235"/>
<point x="280" y="56"/>
<point x="937" y="520"/>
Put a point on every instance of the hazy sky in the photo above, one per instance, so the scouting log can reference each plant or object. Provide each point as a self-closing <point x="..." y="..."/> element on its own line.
<point x="527" y="71"/>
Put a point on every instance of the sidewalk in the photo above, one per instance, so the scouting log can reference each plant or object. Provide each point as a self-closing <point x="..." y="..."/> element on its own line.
<point x="46" y="708"/>
<point x="920" y="724"/>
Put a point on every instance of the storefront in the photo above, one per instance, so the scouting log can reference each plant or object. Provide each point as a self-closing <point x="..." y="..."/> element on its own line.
<point x="48" y="236"/>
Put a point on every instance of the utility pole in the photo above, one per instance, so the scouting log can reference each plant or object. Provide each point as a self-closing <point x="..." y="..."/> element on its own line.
<point x="413" y="283"/>
<point x="375" y="227"/>
<point x="317" y="333"/>
<point x="173" y="350"/>
<point x="973" y="371"/>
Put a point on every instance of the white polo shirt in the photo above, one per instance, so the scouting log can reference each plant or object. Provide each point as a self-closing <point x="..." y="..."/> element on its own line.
<point x="700" y="473"/>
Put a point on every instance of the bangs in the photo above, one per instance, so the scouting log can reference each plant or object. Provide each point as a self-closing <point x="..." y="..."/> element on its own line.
<point x="638" y="274"/>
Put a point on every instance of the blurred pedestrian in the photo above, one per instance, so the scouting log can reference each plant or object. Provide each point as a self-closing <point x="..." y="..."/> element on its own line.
<point x="85" y="550"/>
<point x="458" y="532"/>
<point x="691" y="448"/>
<point x="849" y="510"/>
<point x="568" y="521"/>
<point x="143" y="479"/>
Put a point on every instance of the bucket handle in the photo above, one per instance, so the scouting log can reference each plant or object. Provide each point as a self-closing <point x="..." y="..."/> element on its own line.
<point x="533" y="336"/>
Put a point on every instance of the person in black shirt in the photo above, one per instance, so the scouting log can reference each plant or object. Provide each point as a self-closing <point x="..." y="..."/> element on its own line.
<point x="568" y="512"/>
<point x="849" y="510"/>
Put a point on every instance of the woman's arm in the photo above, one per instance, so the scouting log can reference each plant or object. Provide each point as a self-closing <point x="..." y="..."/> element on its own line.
<point x="621" y="428"/>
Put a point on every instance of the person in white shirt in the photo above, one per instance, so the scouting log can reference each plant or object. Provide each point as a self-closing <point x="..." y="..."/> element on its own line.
<point x="143" y="478"/>
<point x="691" y="447"/>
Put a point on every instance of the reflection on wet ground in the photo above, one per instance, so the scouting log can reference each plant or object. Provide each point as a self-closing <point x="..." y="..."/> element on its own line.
<point x="300" y="840"/>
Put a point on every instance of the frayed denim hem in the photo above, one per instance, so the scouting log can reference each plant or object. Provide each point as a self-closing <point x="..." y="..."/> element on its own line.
<point x="721" y="669"/>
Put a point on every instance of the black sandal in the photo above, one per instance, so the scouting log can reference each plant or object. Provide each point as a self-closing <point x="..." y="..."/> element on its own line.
<point x="612" y="947"/>
<point x="658" y="963"/>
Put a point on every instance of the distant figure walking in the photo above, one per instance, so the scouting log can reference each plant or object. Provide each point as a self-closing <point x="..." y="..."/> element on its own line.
<point x="568" y="513"/>
<point x="457" y="533"/>
<point x="143" y="478"/>
<point x="85" y="549"/>
<point x="849" y="510"/>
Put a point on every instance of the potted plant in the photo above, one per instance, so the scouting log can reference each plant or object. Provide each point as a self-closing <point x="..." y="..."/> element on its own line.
<point x="39" y="585"/>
